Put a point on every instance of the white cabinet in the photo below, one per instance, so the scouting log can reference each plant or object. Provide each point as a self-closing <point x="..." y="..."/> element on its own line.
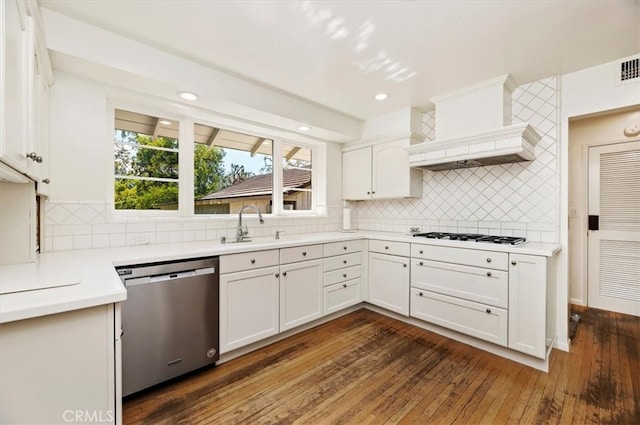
<point x="389" y="276"/>
<point x="342" y="273"/>
<point x="249" y="306"/>
<point x="300" y="293"/>
<point x="380" y="171"/>
<point x="531" y="330"/>
<point x="53" y="367"/>
<point x="16" y="48"/>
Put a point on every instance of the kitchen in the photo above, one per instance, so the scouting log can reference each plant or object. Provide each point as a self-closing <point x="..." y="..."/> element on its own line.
<point x="100" y="72"/>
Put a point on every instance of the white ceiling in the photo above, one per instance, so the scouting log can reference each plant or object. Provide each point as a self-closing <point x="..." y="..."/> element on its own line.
<point x="339" y="54"/>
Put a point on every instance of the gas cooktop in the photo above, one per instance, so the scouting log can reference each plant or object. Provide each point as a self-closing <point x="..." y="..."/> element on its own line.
<point x="473" y="237"/>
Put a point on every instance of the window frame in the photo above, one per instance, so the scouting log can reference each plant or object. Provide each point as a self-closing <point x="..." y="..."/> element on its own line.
<point x="186" y="143"/>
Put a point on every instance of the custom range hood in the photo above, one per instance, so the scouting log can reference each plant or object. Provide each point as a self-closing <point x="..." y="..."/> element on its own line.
<point x="473" y="129"/>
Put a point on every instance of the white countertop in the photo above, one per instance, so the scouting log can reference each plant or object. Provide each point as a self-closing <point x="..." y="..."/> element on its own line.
<point x="70" y="280"/>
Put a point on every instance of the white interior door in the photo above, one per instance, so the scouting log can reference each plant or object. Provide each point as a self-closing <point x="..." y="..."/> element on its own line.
<point x="614" y="228"/>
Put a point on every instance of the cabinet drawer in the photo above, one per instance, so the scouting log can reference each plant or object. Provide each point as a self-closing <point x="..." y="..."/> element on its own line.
<point x="341" y="275"/>
<point x="482" y="285"/>
<point x="477" y="320"/>
<point x="392" y="248"/>
<point x="248" y="261"/>
<point x="300" y="253"/>
<point x="342" y="261"/>
<point x="344" y="247"/>
<point x="467" y="257"/>
<point x="341" y="295"/>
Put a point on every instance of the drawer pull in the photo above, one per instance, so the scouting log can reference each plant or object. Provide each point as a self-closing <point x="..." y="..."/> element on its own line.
<point x="489" y="260"/>
<point x="304" y="253"/>
<point x="344" y="247"/>
<point x="344" y="285"/>
<point x="421" y="263"/>
<point x="253" y="261"/>
<point x="344" y="261"/>
<point x="421" y="252"/>
<point x="404" y="265"/>
<point x="386" y="247"/>
<point x="284" y="273"/>
<point x="277" y="274"/>
<point x="344" y="275"/>
<point x="488" y="310"/>
<point x="489" y="274"/>
<point x="420" y="293"/>
<point x="513" y="263"/>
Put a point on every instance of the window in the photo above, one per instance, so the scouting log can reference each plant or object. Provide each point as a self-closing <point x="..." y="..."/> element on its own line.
<point x="231" y="170"/>
<point x="145" y="162"/>
<point x="296" y="178"/>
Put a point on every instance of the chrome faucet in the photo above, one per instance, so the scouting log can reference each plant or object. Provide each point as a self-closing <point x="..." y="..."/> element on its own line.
<point x="243" y="231"/>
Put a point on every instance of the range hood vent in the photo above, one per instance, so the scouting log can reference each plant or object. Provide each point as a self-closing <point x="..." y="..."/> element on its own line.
<point x="473" y="129"/>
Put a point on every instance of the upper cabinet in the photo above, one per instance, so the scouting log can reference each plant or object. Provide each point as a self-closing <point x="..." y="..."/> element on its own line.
<point x="380" y="171"/>
<point x="26" y="75"/>
<point x="377" y="167"/>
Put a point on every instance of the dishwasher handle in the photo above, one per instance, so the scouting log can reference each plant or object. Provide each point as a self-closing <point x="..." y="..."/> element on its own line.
<point x="170" y="276"/>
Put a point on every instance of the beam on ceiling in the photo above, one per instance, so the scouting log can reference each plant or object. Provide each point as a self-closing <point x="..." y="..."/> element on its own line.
<point x="292" y="153"/>
<point x="256" y="146"/>
<point x="213" y="136"/>
<point x="156" y="129"/>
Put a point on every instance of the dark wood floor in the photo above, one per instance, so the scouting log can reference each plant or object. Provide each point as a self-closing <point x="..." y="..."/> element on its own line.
<point x="365" y="368"/>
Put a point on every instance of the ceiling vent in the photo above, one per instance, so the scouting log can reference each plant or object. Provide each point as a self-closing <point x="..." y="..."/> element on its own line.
<point x="629" y="70"/>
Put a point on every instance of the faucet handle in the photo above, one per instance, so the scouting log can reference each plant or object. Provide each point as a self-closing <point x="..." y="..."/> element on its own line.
<point x="278" y="233"/>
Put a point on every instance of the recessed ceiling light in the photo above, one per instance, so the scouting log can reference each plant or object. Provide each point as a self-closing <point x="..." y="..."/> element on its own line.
<point x="165" y="122"/>
<point x="187" y="95"/>
<point x="304" y="128"/>
<point x="381" y="96"/>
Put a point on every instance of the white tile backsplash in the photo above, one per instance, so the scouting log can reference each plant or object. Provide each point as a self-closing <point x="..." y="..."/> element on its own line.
<point x="510" y="199"/>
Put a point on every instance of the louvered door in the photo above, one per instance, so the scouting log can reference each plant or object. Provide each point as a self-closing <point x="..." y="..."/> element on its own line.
<point x="614" y="228"/>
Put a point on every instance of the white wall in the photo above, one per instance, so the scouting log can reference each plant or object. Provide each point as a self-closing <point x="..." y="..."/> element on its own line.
<point x="78" y="214"/>
<point x="590" y="91"/>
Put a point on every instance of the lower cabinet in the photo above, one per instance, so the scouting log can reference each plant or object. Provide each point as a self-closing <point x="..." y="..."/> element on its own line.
<point x="300" y="293"/>
<point x="484" y="322"/>
<point x="389" y="282"/>
<point x="61" y="368"/>
<point x="249" y="307"/>
<point x="341" y="295"/>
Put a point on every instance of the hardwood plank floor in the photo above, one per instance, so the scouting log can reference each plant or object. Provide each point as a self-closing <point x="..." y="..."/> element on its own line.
<point x="366" y="368"/>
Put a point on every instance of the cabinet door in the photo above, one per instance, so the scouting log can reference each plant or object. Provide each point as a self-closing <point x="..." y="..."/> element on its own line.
<point x="249" y="307"/>
<point x="389" y="282"/>
<point x="16" y="73"/>
<point x="391" y="175"/>
<point x="527" y="304"/>
<point x="40" y="129"/>
<point x="56" y="365"/>
<point x="356" y="174"/>
<point x="300" y="293"/>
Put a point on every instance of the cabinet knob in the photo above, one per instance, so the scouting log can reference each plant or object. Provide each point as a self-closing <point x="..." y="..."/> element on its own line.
<point x="344" y="275"/>
<point x="404" y="265"/>
<point x="513" y="263"/>
<point x="386" y="247"/>
<point x="344" y="261"/>
<point x="34" y="157"/>
<point x="489" y="260"/>
<point x="489" y="274"/>
<point x="344" y="247"/>
<point x="373" y="191"/>
<point x="284" y="273"/>
<point x="368" y="193"/>
<point x="46" y="181"/>
<point x="421" y="252"/>
<point x="344" y="285"/>
<point x="304" y="254"/>
<point x="421" y="263"/>
<point x="277" y="274"/>
<point x="420" y="293"/>
<point x="253" y="261"/>
<point x="488" y="310"/>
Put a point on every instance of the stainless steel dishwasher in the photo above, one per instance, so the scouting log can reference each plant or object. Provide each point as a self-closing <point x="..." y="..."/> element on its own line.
<point x="169" y="320"/>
